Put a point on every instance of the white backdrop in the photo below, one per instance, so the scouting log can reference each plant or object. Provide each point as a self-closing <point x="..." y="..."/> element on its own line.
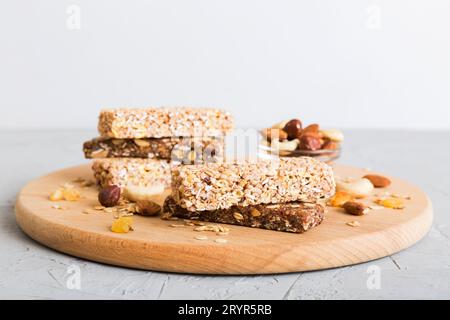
<point x="347" y="63"/>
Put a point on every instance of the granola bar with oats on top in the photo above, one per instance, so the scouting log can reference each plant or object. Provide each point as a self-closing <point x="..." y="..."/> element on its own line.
<point x="215" y="186"/>
<point x="163" y="122"/>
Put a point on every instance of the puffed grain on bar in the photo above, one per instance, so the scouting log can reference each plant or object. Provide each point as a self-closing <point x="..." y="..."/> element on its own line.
<point x="131" y="172"/>
<point x="215" y="186"/>
<point x="163" y="122"/>
<point x="289" y="217"/>
<point x="183" y="149"/>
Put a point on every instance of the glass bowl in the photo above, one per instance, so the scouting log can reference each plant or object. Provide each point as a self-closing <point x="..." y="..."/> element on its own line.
<point x="265" y="150"/>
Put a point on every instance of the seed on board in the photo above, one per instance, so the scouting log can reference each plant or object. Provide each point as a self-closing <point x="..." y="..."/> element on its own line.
<point x="221" y="240"/>
<point x="353" y="224"/>
<point x="201" y="237"/>
<point x="178" y="225"/>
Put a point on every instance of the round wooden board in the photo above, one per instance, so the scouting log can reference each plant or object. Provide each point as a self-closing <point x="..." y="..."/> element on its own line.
<point x="155" y="245"/>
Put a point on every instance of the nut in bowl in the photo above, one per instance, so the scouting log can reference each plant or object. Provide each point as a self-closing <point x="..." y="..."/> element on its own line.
<point x="291" y="139"/>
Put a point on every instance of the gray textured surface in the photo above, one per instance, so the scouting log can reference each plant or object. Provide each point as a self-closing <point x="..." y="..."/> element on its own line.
<point x="29" y="270"/>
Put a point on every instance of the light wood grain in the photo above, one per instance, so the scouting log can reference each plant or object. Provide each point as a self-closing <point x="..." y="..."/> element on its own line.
<point x="154" y="245"/>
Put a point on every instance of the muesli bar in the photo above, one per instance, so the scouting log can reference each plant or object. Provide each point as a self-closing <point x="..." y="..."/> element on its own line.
<point x="182" y="149"/>
<point x="289" y="217"/>
<point x="132" y="172"/>
<point x="163" y="122"/>
<point x="215" y="186"/>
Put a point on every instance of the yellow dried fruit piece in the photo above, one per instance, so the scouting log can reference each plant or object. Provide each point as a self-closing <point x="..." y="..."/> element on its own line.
<point x="339" y="199"/>
<point x="56" y="195"/>
<point x="71" y="194"/>
<point x="393" y="203"/>
<point x="122" y="225"/>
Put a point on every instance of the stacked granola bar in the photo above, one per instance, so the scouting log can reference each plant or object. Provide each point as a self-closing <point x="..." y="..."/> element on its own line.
<point x="139" y="146"/>
<point x="282" y="194"/>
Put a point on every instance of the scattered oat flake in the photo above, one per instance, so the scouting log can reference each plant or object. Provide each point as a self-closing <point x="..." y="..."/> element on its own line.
<point x="353" y="224"/>
<point x="100" y="208"/>
<point x="201" y="237"/>
<point x="178" y="225"/>
<point x="57" y="207"/>
<point x="221" y="240"/>
<point x="374" y="207"/>
<point x="222" y="233"/>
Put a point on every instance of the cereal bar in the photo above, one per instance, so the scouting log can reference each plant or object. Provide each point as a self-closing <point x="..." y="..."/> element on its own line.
<point x="215" y="186"/>
<point x="182" y="149"/>
<point x="290" y="217"/>
<point x="131" y="172"/>
<point x="163" y="122"/>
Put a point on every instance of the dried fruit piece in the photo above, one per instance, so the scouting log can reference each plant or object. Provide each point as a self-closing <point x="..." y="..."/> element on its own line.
<point x="122" y="225"/>
<point x="358" y="188"/>
<point x="274" y="134"/>
<point x="293" y="128"/>
<point x="56" y="195"/>
<point x="393" y="203"/>
<point x="310" y="142"/>
<point x="356" y="208"/>
<point x="71" y="194"/>
<point x="339" y="199"/>
<point x="377" y="180"/>
<point x="109" y="196"/>
<point x="148" y="208"/>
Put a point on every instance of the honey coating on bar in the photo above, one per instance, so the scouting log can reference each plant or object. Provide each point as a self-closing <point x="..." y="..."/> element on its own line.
<point x="164" y="122"/>
<point x="289" y="217"/>
<point x="215" y="186"/>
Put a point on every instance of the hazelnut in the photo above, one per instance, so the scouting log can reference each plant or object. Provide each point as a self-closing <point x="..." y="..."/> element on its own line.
<point x="309" y="142"/>
<point x="355" y="208"/>
<point x="109" y="196"/>
<point x="148" y="208"/>
<point x="293" y="128"/>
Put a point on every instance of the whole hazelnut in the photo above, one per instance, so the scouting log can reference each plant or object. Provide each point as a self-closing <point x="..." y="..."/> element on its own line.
<point x="293" y="128"/>
<point x="109" y="196"/>
<point x="309" y="142"/>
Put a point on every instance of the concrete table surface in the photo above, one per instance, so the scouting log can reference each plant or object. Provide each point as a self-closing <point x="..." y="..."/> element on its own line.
<point x="29" y="270"/>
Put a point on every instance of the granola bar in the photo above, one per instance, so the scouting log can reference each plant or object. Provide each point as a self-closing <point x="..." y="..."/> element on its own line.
<point x="163" y="122"/>
<point x="186" y="150"/>
<point x="215" y="186"/>
<point x="290" y="217"/>
<point x="131" y="172"/>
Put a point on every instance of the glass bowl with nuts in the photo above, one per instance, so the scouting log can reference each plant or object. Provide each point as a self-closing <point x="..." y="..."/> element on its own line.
<point x="291" y="139"/>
